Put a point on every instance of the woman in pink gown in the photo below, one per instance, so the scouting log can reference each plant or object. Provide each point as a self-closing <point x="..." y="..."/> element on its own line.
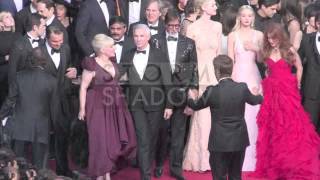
<point x="243" y="46"/>
<point x="207" y="36"/>
<point x="288" y="146"/>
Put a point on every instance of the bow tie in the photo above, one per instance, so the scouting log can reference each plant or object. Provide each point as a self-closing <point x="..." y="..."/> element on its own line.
<point x="143" y="51"/>
<point x="133" y="0"/>
<point x="118" y="42"/>
<point x="55" y="51"/>
<point x="101" y="1"/>
<point x="153" y="27"/>
<point x="171" y="38"/>
<point x="318" y="38"/>
<point x="35" y="40"/>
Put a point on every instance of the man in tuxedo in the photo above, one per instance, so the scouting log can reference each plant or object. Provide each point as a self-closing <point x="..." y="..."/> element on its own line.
<point x="266" y="13"/>
<point x="46" y="9"/>
<point x="13" y="6"/>
<point x="133" y="10"/>
<point x="149" y="81"/>
<point x="123" y="43"/>
<point x="93" y="18"/>
<point x="228" y="135"/>
<point x="24" y="45"/>
<point x="310" y="49"/>
<point x="59" y="65"/>
<point x="181" y="51"/>
<point x="152" y="19"/>
<point x="22" y="18"/>
<point x="32" y="96"/>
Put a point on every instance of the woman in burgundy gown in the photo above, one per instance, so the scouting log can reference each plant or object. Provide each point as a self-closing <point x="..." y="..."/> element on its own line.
<point x="288" y="146"/>
<point x="102" y="104"/>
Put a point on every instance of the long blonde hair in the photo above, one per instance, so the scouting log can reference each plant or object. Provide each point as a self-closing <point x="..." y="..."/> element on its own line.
<point x="3" y="14"/>
<point x="238" y="23"/>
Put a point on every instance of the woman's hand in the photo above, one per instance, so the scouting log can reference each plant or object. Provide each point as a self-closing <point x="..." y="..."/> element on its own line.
<point x="81" y="115"/>
<point x="250" y="46"/>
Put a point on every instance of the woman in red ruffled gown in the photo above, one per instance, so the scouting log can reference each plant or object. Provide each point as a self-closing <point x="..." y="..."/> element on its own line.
<point x="288" y="146"/>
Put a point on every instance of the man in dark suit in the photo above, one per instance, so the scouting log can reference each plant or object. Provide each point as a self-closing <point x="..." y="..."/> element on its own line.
<point x="46" y="9"/>
<point x="266" y="13"/>
<point x="152" y="19"/>
<point x="228" y="135"/>
<point x="310" y="49"/>
<point x="123" y="43"/>
<point x="59" y="65"/>
<point x="13" y="6"/>
<point x="181" y="52"/>
<point x="133" y="10"/>
<point x="149" y="79"/>
<point x="93" y="18"/>
<point x="22" y="18"/>
<point x="32" y="96"/>
<point x="24" y="45"/>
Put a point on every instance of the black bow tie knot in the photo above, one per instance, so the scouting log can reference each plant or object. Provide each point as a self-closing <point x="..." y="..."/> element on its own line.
<point x="133" y="0"/>
<point x="55" y="51"/>
<point x="318" y="38"/>
<point x="171" y="38"/>
<point x="142" y="52"/>
<point x="119" y="43"/>
<point x="153" y="27"/>
<point x="101" y="1"/>
<point x="35" y="40"/>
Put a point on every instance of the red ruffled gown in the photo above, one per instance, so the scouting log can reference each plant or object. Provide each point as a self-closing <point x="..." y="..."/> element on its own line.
<point x="288" y="146"/>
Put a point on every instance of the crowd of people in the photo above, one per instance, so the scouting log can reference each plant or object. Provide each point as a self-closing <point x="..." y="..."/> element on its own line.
<point x="221" y="85"/>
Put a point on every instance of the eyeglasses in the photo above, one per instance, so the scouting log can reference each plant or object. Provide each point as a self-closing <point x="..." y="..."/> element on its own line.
<point x="173" y="26"/>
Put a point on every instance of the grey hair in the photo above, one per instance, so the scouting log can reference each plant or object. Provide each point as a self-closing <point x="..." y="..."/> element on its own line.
<point x="141" y="26"/>
<point x="101" y="40"/>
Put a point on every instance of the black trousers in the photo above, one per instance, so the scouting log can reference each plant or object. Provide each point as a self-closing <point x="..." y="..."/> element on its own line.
<point x="39" y="152"/>
<point x="147" y="127"/>
<point x="313" y="108"/>
<point x="226" y="165"/>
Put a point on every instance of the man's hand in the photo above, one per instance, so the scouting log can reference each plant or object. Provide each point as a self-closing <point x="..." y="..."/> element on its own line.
<point x="188" y="111"/>
<point x="255" y="91"/>
<point x="71" y="73"/>
<point x="167" y="113"/>
<point x="193" y="93"/>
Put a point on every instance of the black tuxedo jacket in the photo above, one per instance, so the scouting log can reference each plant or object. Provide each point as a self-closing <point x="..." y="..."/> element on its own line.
<point x="18" y="59"/>
<point x="58" y="24"/>
<point x="227" y="104"/>
<point x="9" y="5"/>
<point x="124" y="9"/>
<point x="150" y="93"/>
<point x="91" y="21"/>
<point x="161" y="27"/>
<point x="308" y="49"/>
<point x="62" y="110"/>
<point x="32" y="98"/>
<point x="22" y="19"/>
<point x="128" y="44"/>
<point x="185" y="74"/>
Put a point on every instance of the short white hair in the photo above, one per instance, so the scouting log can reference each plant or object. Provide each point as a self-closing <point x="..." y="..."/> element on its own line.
<point x="142" y="26"/>
<point x="101" y="40"/>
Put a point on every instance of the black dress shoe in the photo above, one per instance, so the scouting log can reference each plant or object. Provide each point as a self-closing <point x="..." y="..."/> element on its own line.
<point x="177" y="176"/>
<point x="158" y="172"/>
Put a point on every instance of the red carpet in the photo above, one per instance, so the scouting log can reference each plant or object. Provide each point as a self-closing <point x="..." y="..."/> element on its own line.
<point x="133" y="174"/>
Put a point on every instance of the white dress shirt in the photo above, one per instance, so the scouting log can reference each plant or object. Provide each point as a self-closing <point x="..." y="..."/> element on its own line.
<point x="134" y="12"/>
<point x="140" y="61"/>
<point x="19" y="4"/>
<point x="55" y="56"/>
<point x="119" y="50"/>
<point x="32" y="9"/>
<point x="317" y="42"/>
<point x="105" y="11"/>
<point x="49" y="21"/>
<point x="172" y="50"/>
<point x="33" y="44"/>
<point x="153" y="31"/>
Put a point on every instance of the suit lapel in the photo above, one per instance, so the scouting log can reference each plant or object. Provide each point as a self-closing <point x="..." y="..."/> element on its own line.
<point x="180" y="48"/>
<point x="98" y="11"/>
<point x="50" y="67"/>
<point x="315" y="49"/>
